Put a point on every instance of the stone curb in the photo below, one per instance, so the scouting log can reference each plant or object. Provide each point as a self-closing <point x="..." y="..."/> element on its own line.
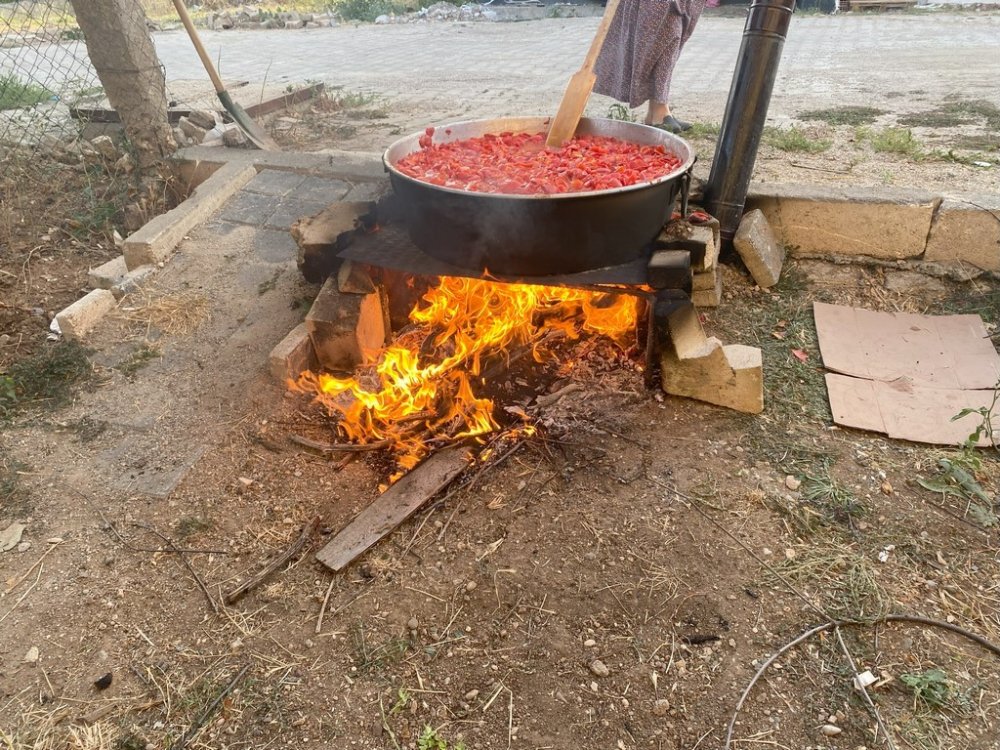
<point x="352" y="166"/>
<point x="155" y="242"/>
<point x="887" y="224"/>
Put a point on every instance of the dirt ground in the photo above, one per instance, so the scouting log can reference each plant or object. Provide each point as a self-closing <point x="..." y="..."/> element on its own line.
<point x="614" y="583"/>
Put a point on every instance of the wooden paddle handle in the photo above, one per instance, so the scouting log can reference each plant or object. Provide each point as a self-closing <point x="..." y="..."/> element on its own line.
<point x="200" y="49"/>
<point x="602" y="31"/>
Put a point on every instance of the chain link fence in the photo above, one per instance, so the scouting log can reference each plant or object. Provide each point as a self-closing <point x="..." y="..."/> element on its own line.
<point x="44" y="71"/>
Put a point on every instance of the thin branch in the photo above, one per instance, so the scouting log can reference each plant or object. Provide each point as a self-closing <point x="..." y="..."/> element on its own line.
<point x="187" y="563"/>
<point x="317" y="445"/>
<point x="273" y="566"/>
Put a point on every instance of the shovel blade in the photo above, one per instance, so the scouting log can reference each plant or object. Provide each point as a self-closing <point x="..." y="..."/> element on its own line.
<point x="571" y="109"/>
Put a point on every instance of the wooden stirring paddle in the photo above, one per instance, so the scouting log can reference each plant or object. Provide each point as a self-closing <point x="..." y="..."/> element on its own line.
<point x="574" y="101"/>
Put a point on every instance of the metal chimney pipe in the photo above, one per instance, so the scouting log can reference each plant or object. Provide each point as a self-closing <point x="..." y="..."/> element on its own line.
<point x="746" y="110"/>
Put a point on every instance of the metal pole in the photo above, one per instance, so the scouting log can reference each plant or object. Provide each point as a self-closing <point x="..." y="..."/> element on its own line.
<point x="746" y="111"/>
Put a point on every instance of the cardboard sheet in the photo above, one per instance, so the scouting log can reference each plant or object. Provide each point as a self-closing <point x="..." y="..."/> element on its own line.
<point x="905" y="411"/>
<point x="907" y="375"/>
<point x="946" y="351"/>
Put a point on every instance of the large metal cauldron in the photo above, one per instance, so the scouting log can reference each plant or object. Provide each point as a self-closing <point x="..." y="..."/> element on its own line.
<point x="528" y="235"/>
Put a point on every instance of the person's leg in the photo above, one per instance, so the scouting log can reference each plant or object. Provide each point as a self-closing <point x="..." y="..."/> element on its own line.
<point x="657" y="112"/>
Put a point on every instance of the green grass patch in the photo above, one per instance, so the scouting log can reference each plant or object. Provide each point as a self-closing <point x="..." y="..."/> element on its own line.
<point x="841" y="579"/>
<point x="620" y="112"/>
<point x="48" y="379"/>
<point x="18" y="94"/>
<point x="703" y="130"/>
<point x="846" y="115"/>
<point x="898" y="141"/>
<point x="795" y="140"/>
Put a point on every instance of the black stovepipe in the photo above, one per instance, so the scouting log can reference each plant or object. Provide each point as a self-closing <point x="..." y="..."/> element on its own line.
<point x="743" y="123"/>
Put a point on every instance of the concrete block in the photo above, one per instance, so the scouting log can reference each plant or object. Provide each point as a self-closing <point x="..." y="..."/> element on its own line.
<point x="202" y="118"/>
<point x="669" y="269"/>
<point x="965" y="232"/>
<point x="133" y="281"/>
<point x="890" y="224"/>
<point x="156" y="241"/>
<point x="320" y="237"/>
<point x="706" y="281"/>
<point x="80" y="317"/>
<point x="700" y="240"/>
<point x="712" y="296"/>
<point x="762" y="254"/>
<point x="353" y="278"/>
<point x="684" y="334"/>
<point x="730" y="376"/>
<point x="346" y="329"/>
<point x="108" y="274"/>
<point x="293" y="355"/>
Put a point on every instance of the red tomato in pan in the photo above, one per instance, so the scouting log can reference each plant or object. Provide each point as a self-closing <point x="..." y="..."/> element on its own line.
<point x="520" y="164"/>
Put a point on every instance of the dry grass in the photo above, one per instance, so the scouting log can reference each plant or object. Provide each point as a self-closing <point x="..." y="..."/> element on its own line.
<point x="174" y="314"/>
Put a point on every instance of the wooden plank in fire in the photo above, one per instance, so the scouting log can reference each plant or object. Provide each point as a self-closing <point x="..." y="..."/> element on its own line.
<point x="393" y="507"/>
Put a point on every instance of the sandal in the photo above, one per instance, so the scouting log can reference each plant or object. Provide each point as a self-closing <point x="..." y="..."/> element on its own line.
<point x="672" y="125"/>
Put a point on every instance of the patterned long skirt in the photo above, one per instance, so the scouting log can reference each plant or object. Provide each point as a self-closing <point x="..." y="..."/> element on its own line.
<point x="642" y="47"/>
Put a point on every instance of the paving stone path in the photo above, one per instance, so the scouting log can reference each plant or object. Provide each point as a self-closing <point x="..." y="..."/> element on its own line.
<point x="449" y="70"/>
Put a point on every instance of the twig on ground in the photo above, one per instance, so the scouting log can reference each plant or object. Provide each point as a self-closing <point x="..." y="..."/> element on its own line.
<point x="322" y="609"/>
<point x="271" y="568"/>
<point x="212" y="707"/>
<point x="28" y="572"/>
<point x="187" y="563"/>
<point x="175" y="550"/>
<point x="550" y="398"/>
<point x="322" y="447"/>
<point x="25" y="594"/>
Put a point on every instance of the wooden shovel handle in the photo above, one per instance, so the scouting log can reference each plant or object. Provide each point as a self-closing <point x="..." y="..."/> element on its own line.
<point x="199" y="47"/>
<point x="602" y="31"/>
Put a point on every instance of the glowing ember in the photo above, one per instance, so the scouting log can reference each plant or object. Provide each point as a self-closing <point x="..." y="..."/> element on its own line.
<point x="420" y="393"/>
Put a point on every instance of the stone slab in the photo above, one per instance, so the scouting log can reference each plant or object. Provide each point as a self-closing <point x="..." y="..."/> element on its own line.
<point x="80" y="317"/>
<point x="706" y="281"/>
<point x="273" y="246"/>
<point x="155" y="242"/>
<point x="252" y="209"/>
<point x="968" y="231"/>
<point x="889" y="224"/>
<point x="760" y="251"/>
<point x="109" y="274"/>
<point x="274" y="182"/>
<point x="711" y="297"/>
<point x="133" y="281"/>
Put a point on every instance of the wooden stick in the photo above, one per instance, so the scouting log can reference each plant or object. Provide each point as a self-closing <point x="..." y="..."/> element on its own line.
<point x="322" y="610"/>
<point x="187" y="563"/>
<point x="316" y="445"/>
<point x="272" y="567"/>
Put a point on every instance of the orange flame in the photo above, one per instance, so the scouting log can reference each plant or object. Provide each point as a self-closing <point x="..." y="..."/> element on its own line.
<point x="415" y="400"/>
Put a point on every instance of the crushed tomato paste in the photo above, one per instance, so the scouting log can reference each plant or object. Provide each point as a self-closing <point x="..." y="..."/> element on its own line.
<point x="520" y="164"/>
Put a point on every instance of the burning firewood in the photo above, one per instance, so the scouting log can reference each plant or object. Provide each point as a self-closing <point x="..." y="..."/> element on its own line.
<point x="425" y="388"/>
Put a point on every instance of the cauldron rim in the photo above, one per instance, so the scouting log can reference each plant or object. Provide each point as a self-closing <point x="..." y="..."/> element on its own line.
<point x="588" y="126"/>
